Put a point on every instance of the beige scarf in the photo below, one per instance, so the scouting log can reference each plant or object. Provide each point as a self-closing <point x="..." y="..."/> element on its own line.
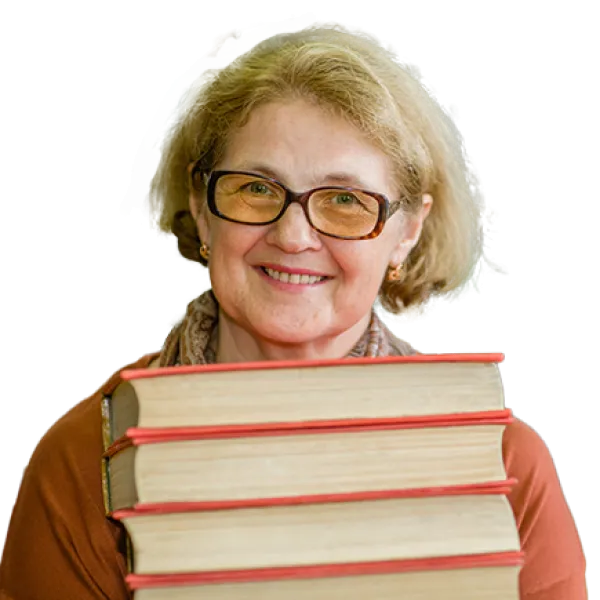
<point x="193" y="341"/>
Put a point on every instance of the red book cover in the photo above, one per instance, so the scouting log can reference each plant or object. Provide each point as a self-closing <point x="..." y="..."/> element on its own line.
<point x="490" y="487"/>
<point x="129" y="374"/>
<point x="501" y="559"/>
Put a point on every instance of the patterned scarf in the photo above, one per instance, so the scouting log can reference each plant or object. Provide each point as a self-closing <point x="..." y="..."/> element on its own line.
<point x="193" y="341"/>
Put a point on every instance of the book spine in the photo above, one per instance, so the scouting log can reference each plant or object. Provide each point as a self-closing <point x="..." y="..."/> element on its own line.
<point x="110" y="447"/>
<point x="129" y="553"/>
<point x="107" y="443"/>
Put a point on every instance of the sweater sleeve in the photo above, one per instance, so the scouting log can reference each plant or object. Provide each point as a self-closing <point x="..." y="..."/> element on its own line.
<point x="554" y="566"/>
<point x="60" y="544"/>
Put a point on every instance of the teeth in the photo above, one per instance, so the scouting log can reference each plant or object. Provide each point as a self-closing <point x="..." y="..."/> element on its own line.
<point x="294" y="278"/>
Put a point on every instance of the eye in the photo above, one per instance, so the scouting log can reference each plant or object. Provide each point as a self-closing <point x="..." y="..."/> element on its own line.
<point x="345" y="199"/>
<point x="259" y="188"/>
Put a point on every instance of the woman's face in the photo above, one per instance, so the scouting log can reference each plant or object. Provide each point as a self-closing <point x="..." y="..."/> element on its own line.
<point x="303" y="147"/>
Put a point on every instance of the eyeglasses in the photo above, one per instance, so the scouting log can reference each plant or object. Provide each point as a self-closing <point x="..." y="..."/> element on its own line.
<point x="251" y="199"/>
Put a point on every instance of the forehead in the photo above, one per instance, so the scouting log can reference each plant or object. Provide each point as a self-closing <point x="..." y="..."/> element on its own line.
<point x="303" y="144"/>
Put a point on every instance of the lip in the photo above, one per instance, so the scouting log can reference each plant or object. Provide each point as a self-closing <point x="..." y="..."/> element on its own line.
<point x="292" y="271"/>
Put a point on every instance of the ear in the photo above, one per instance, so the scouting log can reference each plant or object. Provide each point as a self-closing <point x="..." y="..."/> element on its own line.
<point x="412" y="227"/>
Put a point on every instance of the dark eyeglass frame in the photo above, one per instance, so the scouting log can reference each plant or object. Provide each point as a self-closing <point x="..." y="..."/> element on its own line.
<point x="386" y="209"/>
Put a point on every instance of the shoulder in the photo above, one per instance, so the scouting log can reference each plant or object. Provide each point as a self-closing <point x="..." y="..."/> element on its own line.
<point x="526" y="455"/>
<point x="75" y="423"/>
<point x="528" y="460"/>
<point x="77" y="436"/>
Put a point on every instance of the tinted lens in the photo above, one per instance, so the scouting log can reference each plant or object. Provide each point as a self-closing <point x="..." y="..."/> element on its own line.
<point x="344" y="213"/>
<point x="248" y="198"/>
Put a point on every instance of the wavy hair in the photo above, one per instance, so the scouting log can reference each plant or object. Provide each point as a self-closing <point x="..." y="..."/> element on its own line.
<point x="354" y="76"/>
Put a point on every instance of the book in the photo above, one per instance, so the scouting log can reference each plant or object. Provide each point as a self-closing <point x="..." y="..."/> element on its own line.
<point x="393" y="526"/>
<point x="294" y="391"/>
<point x="482" y="577"/>
<point x="221" y="463"/>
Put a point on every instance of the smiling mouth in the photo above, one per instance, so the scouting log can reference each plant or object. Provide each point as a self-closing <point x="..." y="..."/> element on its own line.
<point x="293" y="278"/>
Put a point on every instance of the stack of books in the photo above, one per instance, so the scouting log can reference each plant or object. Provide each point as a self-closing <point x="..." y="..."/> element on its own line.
<point x="346" y="479"/>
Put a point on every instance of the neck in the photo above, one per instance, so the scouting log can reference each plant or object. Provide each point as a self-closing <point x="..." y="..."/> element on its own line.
<point x="236" y="344"/>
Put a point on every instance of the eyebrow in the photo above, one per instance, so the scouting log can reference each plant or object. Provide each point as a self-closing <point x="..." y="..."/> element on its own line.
<point x="335" y="178"/>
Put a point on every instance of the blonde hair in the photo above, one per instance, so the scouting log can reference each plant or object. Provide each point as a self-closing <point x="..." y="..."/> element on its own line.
<point x="354" y="76"/>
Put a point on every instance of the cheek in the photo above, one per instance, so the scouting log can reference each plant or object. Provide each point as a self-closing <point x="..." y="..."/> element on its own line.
<point x="231" y="242"/>
<point x="230" y="265"/>
<point x="362" y="263"/>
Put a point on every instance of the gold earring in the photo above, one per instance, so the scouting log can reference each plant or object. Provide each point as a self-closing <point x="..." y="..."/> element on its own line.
<point x="394" y="273"/>
<point x="204" y="252"/>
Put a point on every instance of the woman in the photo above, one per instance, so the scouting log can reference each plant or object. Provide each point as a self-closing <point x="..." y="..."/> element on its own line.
<point x="313" y="176"/>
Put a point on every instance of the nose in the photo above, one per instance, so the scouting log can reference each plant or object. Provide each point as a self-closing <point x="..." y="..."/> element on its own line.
<point x="292" y="233"/>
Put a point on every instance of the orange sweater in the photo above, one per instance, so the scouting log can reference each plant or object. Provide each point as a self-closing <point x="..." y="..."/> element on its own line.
<point x="60" y="545"/>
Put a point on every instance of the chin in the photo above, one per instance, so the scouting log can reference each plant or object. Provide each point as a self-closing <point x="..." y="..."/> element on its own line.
<point x="288" y="331"/>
